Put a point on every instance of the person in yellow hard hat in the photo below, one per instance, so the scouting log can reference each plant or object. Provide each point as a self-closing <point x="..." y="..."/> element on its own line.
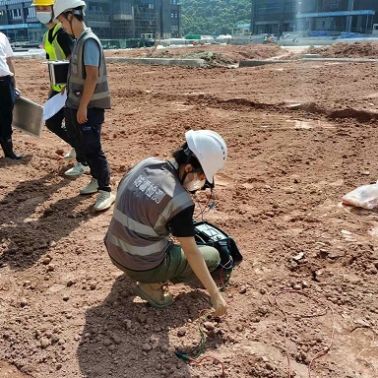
<point x="58" y="46"/>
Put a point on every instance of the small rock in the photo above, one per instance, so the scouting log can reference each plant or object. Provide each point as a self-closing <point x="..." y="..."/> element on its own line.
<point x="296" y="179"/>
<point x="93" y="286"/>
<point x="66" y="297"/>
<point x="242" y="290"/>
<point x="146" y="347"/>
<point x="305" y="284"/>
<point x="164" y="348"/>
<point x="262" y="291"/>
<point x="336" y="254"/>
<point x="290" y="190"/>
<point x="70" y="283"/>
<point x="268" y="366"/>
<point x="263" y="310"/>
<point x="209" y="326"/>
<point x="23" y="302"/>
<point x="46" y="260"/>
<point x="181" y="332"/>
<point x="142" y="318"/>
<point x="127" y="323"/>
<point x="239" y="328"/>
<point x="45" y="342"/>
<point x="116" y="339"/>
<point x="107" y="342"/>
<point x="299" y="256"/>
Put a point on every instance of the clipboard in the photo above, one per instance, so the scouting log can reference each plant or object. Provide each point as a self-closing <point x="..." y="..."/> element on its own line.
<point x="27" y="116"/>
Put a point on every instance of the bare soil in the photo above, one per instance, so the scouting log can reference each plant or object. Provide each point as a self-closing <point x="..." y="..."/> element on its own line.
<point x="348" y="50"/>
<point x="215" y="55"/>
<point x="304" y="301"/>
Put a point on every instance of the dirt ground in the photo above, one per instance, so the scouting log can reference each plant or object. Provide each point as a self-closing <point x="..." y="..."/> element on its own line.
<point x="303" y="302"/>
<point x="214" y="55"/>
<point x="348" y="50"/>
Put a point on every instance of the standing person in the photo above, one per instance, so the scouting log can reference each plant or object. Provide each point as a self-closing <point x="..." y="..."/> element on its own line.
<point x="58" y="46"/>
<point x="88" y="97"/>
<point x="7" y="95"/>
<point x="153" y="201"/>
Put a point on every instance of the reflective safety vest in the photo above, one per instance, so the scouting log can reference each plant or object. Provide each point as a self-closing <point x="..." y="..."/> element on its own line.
<point x="76" y="76"/>
<point x="147" y="199"/>
<point x="54" y="50"/>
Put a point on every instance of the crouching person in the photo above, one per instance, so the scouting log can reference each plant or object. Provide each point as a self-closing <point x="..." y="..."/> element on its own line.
<point x="153" y="201"/>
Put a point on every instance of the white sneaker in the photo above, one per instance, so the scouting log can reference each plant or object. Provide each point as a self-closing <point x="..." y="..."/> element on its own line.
<point x="70" y="155"/>
<point x="91" y="188"/>
<point x="104" y="200"/>
<point x="77" y="170"/>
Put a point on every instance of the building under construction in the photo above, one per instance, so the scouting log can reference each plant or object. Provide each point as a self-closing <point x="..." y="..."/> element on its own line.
<point x="314" y="17"/>
<point x="118" y="23"/>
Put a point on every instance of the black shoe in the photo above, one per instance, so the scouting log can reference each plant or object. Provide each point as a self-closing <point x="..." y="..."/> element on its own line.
<point x="7" y="146"/>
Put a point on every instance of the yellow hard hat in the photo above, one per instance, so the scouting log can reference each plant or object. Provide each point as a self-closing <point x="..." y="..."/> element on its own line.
<point x="42" y="3"/>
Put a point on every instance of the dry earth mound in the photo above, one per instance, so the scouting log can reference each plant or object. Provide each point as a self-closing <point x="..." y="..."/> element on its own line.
<point x="214" y="54"/>
<point x="349" y="50"/>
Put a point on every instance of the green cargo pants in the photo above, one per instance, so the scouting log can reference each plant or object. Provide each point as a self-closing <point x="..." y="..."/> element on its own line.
<point x="175" y="267"/>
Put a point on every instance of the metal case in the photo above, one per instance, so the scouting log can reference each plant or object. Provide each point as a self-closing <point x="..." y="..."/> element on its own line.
<point x="27" y="116"/>
<point x="58" y="71"/>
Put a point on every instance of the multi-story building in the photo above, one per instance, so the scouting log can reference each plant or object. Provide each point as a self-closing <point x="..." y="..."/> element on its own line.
<point x="18" y="21"/>
<point x="110" y="20"/>
<point x="314" y="16"/>
<point x="273" y="16"/>
<point x="335" y="16"/>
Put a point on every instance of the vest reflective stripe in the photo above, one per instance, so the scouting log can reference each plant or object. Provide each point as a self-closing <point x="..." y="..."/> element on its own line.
<point x="147" y="198"/>
<point x="175" y="205"/>
<point x="76" y="76"/>
<point x="54" y="50"/>
<point x="133" y="225"/>
<point x="138" y="251"/>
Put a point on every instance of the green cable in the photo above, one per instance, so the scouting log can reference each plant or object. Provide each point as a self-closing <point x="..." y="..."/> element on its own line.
<point x="201" y="348"/>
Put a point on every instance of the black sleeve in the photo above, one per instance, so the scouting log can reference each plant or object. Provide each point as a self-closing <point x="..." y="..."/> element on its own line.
<point x="65" y="42"/>
<point x="181" y="225"/>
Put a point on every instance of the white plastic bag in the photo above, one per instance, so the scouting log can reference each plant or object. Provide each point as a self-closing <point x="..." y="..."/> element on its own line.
<point x="365" y="196"/>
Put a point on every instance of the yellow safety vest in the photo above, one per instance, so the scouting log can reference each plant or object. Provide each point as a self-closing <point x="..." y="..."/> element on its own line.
<point x="54" y="50"/>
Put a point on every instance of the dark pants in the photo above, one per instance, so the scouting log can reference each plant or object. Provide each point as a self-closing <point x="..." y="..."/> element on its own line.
<point x="55" y="123"/>
<point x="6" y="107"/>
<point x="86" y="139"/>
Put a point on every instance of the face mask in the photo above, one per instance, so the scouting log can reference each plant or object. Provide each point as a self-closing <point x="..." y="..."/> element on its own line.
<point x="193" y="184"/>
<point x="44" y="17"/>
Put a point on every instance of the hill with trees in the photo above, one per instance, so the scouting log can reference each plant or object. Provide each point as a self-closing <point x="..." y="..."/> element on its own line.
<point x="213" y="16"/>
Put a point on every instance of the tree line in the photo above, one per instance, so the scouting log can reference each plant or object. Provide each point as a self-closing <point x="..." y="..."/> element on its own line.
<point x="213" y="17"/>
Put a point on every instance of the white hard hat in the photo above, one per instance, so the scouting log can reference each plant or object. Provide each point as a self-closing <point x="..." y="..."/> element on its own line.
<point x="62" y="6"/>
<point x="209" y="148"/>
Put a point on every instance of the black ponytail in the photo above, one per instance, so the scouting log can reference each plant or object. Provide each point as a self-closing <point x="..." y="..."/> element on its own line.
<point x="185" y="156"/>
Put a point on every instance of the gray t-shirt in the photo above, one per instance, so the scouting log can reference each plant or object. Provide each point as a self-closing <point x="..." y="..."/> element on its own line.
<point x="91" y="53"/>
